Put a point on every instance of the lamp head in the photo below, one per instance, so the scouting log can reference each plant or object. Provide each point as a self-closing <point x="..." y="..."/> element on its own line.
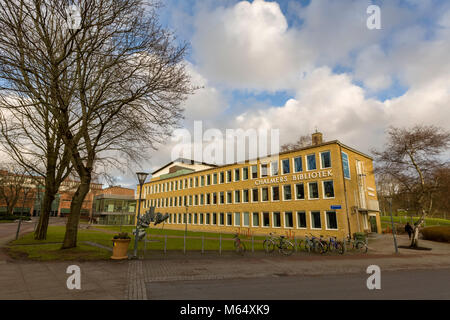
<point x="141" y="177"/>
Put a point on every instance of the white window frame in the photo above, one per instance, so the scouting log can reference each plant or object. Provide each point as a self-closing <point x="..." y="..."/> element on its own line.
<point x="234" y="219"/>
<point x="253" y="200"/>
<point x="282" y="167"/>
<point x="283" y="192"/>
<point x="268" y="197"/>
<point x="271" y="168"/>
<point x="320" y="156"/>
<point x="284" y="219"/>
<point x="259" y="219"/>
<point x="307" y="163"/>
<point x="273" y="220"/>
<point x="243" y="219"/>
<point x="234" y="174"/>
<point x="279" y="193"/>
<point x="297" y="220"/>
<point x="318" y="192"/>
<point x="248" y="196"/>
<point x="326" y="220"/>
<point x="234" y="196"/>
<point x="226" y="216"/>
<point x="311" y="220"/>
<point x="260" y="170"/>
<point x="262" y="220"/>
<point x="323" y="189"/>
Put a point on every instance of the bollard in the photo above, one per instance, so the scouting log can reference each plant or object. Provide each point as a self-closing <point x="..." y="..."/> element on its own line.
<point x="165" y="243"/>
<point x="220" y="243"/>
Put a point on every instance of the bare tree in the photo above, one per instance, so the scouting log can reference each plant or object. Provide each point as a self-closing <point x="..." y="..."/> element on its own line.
<point x="303" y="141"/>
<point x="13" y="180"/>
<point x="114" y="83"/>
<point x="410" y="157"/>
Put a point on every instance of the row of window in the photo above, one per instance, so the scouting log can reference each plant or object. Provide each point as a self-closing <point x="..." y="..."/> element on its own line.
<point x="286" y="219"/>
<point x="244" y="173"/>
<point x="262" y="194"/>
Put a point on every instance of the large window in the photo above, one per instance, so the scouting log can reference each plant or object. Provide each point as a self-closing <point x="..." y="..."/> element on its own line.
<point x="214" y="218"/>
<point x="266" y="219"/>
<point x="208" y="198"/>
<point x="246" y="219"/>
<point x="237" y="219"/>
<point x="313" y="190"/>
<point x="263" y="170"/>
<point x="288" y="220"/>
<point x="331" y="220"/>
<point x="237" y="174"/>
<point x="214" y="198"/>
<point x="229" y="195"/>
<point x="287" y="194"/>
<point x="275" y="193"/>
<point x="264" y="194"/>
<point x="208" y="218"/>
<point x="222" y="198"/>
<point x="215" y="178"/>
<point x="274" y="167"/>
<point x="229" y="219"/>
<point x="299" y="191"/>
<point x="254" y="172"/>
<point x="229" y="176"/>
<point x="286" y="166"/>
<point x="195" y="218"/>
<point x="325" y="159"/>
<point x="222" y="177"/>
<point x="276" y="219"/>
<point x="255" y="219"/>
<point x="237" y="196"/>
<point x="311" y="162"/>
<point x="208" y="180"/>
<point x="316" y="223"/>
<point x="245" y="195"/>
<point x="301" y="219"/>
<point x="328" y="189"/>
<point x="255" y="195"/>
<point x="201" y="218"/>
<point x="202" y="178"/>
<point x="245" y="173"/>
<point x="222" y="219"/>
<point x="345" y="165"/>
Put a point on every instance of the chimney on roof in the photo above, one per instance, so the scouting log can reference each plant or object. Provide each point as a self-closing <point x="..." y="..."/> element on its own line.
<point x="317" y="138"/>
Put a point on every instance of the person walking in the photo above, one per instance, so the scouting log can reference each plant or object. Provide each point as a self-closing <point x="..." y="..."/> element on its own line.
<point x="409" y="229"/>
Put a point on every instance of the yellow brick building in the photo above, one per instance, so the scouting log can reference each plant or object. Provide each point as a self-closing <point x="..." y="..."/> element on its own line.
<point x="325" y="189"/>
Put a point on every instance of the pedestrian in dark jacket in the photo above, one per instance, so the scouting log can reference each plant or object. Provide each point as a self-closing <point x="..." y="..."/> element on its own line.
<point x="409" y="229"/>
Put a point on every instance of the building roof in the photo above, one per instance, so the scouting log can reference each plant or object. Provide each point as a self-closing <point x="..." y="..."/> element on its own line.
<point x="183" y="160"/>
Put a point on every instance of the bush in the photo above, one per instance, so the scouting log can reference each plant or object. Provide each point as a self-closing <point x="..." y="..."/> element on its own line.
<point x="123" y="235"/>
<point x="437" y="233"/>
<point x="13" y="217"/>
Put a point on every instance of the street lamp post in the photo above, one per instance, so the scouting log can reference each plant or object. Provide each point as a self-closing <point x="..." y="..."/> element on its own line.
<point x="141" y="177"/>
<point x="185" y="227"/>
<point x="392" y="224"/>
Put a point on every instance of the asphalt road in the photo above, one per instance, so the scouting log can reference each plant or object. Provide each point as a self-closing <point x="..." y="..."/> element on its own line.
<point x="410" y="284"/>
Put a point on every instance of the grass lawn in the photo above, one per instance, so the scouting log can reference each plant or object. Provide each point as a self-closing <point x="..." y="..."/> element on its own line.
<point x="428" y="221"/>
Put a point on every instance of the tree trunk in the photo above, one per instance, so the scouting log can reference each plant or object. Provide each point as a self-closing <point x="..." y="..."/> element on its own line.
<point x="70" y="238"/>
<point x="41" y="229"/>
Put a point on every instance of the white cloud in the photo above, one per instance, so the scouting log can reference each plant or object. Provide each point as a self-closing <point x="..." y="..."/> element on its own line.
<point x="248" y="46"/>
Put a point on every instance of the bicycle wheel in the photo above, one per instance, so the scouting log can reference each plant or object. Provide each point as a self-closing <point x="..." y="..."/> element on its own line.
<point x="269" y="245"/>
<point x="308" y="246"/>
<point x="325" y="247"/>
<point x="287" y="248"/>
<point x="317" y="246"/>
<point x="340" y="247"/>
<point x="361" y="247"/>
<point x="240" y="248"/>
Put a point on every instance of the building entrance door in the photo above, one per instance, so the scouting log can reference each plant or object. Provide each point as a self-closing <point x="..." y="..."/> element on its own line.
<point x="373" y="224"/>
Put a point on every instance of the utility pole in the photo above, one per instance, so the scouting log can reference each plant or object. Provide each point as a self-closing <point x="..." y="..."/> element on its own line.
<point x="392" y="224"/>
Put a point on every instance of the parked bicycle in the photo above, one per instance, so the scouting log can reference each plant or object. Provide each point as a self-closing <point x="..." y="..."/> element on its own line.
<point x="284" y="246"/>
<point x="357" y="244"/>
<point x="239" y="246"/>
<point x="335" y="245"/>
<point x="315" y="244"/>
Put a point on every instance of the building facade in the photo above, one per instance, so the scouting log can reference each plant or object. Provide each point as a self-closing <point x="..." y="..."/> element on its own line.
<point x="325" y="189"/>
<point x="114" y="206"/>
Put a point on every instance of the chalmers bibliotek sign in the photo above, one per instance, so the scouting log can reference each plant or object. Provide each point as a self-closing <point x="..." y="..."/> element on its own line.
<point x="296" y="177"/>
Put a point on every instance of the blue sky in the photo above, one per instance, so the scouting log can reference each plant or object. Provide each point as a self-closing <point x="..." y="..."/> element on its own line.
<point x="298" y="65"/>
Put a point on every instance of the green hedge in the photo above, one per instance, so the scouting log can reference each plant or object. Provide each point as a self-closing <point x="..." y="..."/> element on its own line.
<point x="437" y="233"/>
<point x="13" y="217"/>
